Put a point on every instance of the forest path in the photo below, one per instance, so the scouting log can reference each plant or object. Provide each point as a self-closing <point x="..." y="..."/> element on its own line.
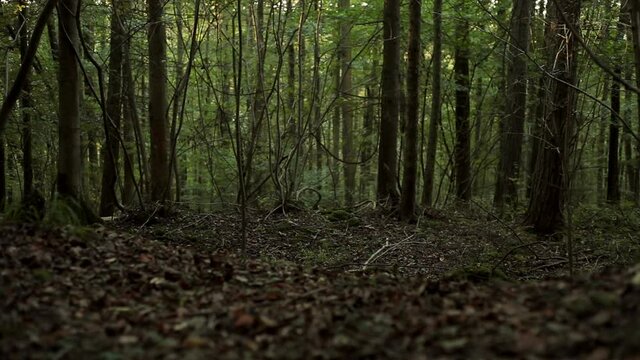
<point x="102" y="293"/>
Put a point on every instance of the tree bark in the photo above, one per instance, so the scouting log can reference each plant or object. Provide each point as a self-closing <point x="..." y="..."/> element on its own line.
<point x="388" y="153"/>
<point x="25" y="105"/>
<point x="408" y="197"/>
<point x="53" y="38"/>
<point x="69" y="83"/>
<point x="613" y="163"/>
<point x="159" y="163"/>
<point x="436" y="106"/>
<point x="462" y="152"/>
<point x="111" y="153"/>
<point x="545" y="213"/>
<point x="3" y="178"/>
<point x="635" y="35"/>
<point x="346" y="86"/>
<point x="516" y="104"/>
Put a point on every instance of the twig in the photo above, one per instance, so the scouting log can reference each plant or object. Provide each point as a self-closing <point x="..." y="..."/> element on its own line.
<point x="507" y="226"/>
<point x="493" y="269"/>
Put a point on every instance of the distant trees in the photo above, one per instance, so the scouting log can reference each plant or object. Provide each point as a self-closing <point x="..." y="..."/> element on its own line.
<point x="491" y="108"/>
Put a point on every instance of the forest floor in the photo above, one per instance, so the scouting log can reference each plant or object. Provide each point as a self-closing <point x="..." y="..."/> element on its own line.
<point x="331" y="285"/>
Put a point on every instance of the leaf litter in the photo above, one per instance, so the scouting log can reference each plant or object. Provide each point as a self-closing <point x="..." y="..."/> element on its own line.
<point x="112" y="293"/>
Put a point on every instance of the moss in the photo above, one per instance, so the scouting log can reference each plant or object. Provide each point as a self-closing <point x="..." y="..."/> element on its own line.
<point x="339" y="215"/>
<point x="477" y="272"/>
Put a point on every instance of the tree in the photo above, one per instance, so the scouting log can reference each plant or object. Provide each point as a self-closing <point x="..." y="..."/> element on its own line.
<point x="69" y="87"/>
<point x="159" y="176"/>
<point x="551" y="177"/>
<point x="346" y="85"/>
<point x="3" y="176"/>
<point x="408" y="196"/>
<point x="515" y="107"/>
<point x="462" y="155"/>
<point x="613" y="163"/>
<point x="634" y="9"/>
<point x="110" y="157"/>
<point x="436" y="107"/>
<point x="387" y="153"/>
<point x="25" y="105"/>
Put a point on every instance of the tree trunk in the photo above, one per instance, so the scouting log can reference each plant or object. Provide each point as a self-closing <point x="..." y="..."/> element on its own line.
<point x="613" y="163"/>
<point x="631" y="168"/>
<point x="601" y="153"/>
<point x="436" y="106"/>
<point x="158" y="102"/>
<point x="368" y="124"/>
<point x="111" y="152"/>
<point x="408" y="199"/>
<point x="551" y="178"/>
<point x="177" y="103"/>
<point x="335" y="138"/>
<point x="128" y="128"/>
<point x="69" y="82"/>
<point x="462" y="156"/>
<point x="346" y="85"/>
<point x="3" y="179"/>
<point x="388" y="153"/>
<point x="635" y="35"/>
<point x="53" y="38"/>
<point x="317" y="109"/>
<point x="613" y="166"/>
<point x="516" y="104"/>
<point x="25" y="104"/>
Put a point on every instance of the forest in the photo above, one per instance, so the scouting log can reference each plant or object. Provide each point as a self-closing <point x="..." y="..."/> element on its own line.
<point x="260" y="179"/>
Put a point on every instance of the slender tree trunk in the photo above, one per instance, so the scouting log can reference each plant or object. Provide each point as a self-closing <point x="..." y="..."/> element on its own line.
<point x="128" y="127"/>
<point x="408" y="197"/>
<point x="158" y="102"/>
<point x="631" y="168"/>
<point x="550" y="182"/>
<point x="53" y="38"/>
<point x="601" y="152"/>
<point x="388" y="153"/>
<point x="346" y="86"/>
<point x="462" y="157"/>
<point x="613" y="174"/>
<point x="177" y="103"/>
<point x="129" y="86"/>
<point x="613" y="167"/>
<point x="436" y="108"/>
<point x="368" y="124"/>
<point x="111" y="153"/>
<point x="259" y="107"/>
<point x="635" y="35"/>
<point x="516" y="105"/>
<point x="317" y="110"/>
<point x="69" y="83"/>
<point x="335" y="138"/>
<point x="25" y="104"/>
<point x="3" y="179"/>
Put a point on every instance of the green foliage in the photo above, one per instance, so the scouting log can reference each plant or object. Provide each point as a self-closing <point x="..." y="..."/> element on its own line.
<point x="63" y="211"/>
